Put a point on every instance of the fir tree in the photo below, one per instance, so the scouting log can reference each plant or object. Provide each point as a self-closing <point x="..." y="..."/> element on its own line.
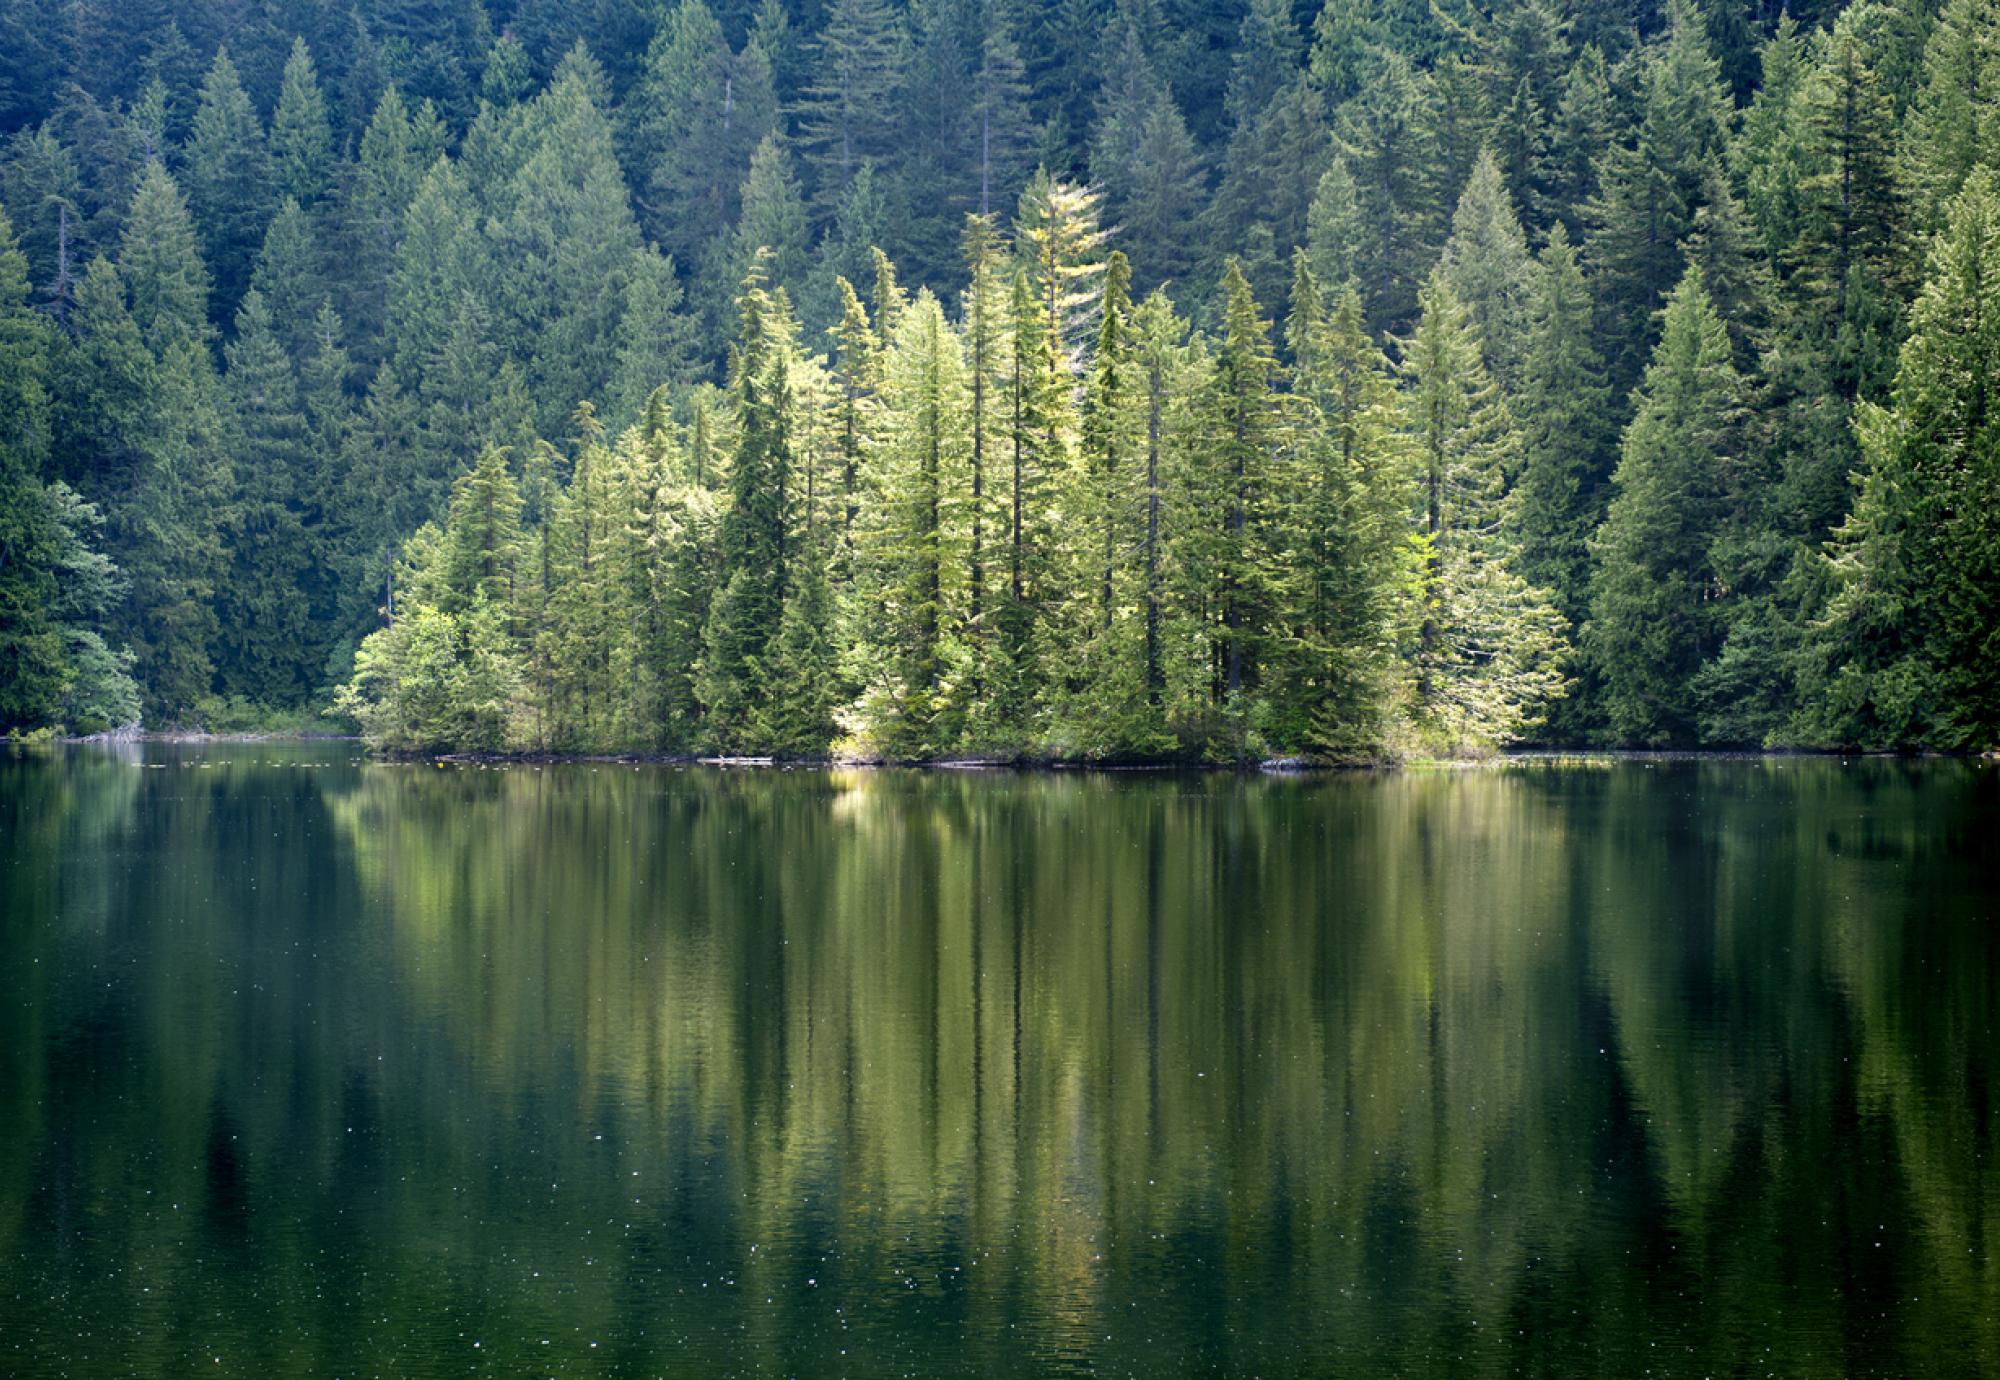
<point x="1657" y="609"/>
<point x="1909" y="642"/>
<point x="1651" y="188"/>
<point x="229" y="182"/>
<point x="1489" y="646"/>
<point x="845" y="114"/>
<point x="1487" y="263"/>
<point x="269" y="651"/>
<point x="301" y="137"/>
<point x="1566" y="436"/>
<point x="1345" y="530"/>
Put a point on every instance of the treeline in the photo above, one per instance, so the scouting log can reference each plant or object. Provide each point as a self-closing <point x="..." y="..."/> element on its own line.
<point x="1629" y="386"/>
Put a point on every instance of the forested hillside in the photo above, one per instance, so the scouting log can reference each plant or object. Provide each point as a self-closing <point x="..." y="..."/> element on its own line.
<point x="1096" y="378"/>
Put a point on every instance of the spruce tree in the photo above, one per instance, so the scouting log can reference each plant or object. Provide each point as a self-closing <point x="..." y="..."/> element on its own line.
<point x="1487" y="262"/>
<point x="1239" y="438"/>
<point x="33" y="664"/>
<point x="301" y="138"/>
<point x="1650" y="189"/>
<point x="1911" y="636"/>
<point x="915" y="705"/>
<point x="269" y="650"/>
<point x="229" y="182"/>
<point x="845" y="114"/>
<point x="1345" y="530"/>
<point x="1489" y="646"/>
<point x="1567" y="440"/>
<point x="1658" y="611"/>
<point x="1953" y="124"/>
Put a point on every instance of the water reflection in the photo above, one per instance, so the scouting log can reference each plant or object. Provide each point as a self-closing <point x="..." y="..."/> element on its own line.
<point x="1666" y="1067"/>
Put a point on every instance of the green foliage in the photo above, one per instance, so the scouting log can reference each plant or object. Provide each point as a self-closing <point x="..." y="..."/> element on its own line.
<point x="1908" y="646"/>
<point x="1658" y="610"/>
<point x="266" y="353"/>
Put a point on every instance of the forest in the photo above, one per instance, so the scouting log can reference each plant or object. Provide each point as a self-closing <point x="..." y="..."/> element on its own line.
<point x="1098" y="380"/>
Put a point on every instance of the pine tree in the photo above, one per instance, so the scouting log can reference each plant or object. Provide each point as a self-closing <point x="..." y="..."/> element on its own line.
<point x="301" y="137"/>
<point x="268" y="652"/>
<point x="1566" y="434"/>
<point x="1651" y="189"/>
<point x="1488" y="265"/>
<point x="229" y="182"/>
<point x="1351" y="567"/>
<point x="1657" y="610"/>
<point x="845" y="114"/>
<point x="1912" y="635"/>
<point x="917" y="556"/>
<point x="33" y="664"/>
<point x="1954" y="123"/>
<point x="1238" y="439"/>
<point x="1489" y="646"/>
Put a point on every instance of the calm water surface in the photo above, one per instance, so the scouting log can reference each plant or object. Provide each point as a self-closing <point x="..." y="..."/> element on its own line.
<point x="315" y="1067"/>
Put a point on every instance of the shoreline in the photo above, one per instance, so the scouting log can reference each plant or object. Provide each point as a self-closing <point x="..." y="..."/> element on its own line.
<point x="1280" y="766"/>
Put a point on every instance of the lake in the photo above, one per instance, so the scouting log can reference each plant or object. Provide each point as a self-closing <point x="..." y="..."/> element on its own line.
<point x="316" y="1066"/>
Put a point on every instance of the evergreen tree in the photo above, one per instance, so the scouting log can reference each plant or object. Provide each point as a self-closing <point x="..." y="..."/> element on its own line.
<point x="1056" y="233"/>
<point x="696" y="119"/>
<point x="1351" y="568"/>
<point x="1239" y="438"/>
<point x="655" y="339"/>
<point x="1909" y="642"/>
<point x="845" y="114"/>
<point x="301" y="138"/>
<point x="997" y="107"/>
<point x="1651" y="188"/>
<point x="1490" y="270"/>
<point x="756" y="525"/>
<point x="773" y="218"/>
<point x="1383" y="137"/>
<point x="268" y="650"/>
<point x="33" y="664"/>
<point x="1657" y="609"/>
<point x="916" y="562"/>
<point x="291" y="275"/>
<point x="229" y="182"/>
<point x="1566" y="436"/>
<point x="1489" y="646"/>
<point x="1954" y="121"/>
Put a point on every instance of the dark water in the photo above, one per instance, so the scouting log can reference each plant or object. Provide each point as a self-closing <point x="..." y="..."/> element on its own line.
<point x="313" y="1067"/>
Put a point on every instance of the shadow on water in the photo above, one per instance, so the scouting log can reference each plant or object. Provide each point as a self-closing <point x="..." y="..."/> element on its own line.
<point x="1675" y="1067"/>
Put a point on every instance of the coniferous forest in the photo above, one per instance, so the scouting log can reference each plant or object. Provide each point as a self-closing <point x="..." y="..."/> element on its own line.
<point x="1095" y="379"/>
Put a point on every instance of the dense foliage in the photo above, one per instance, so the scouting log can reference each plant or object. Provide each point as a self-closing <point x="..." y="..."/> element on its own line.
<point x="1107" y="378"/>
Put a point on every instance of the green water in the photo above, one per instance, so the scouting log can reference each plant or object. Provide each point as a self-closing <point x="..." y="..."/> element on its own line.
<point x="310" y="1066"/>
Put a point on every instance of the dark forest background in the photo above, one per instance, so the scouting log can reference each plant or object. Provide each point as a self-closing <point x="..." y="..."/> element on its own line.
<point x="1100" y="378"/>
